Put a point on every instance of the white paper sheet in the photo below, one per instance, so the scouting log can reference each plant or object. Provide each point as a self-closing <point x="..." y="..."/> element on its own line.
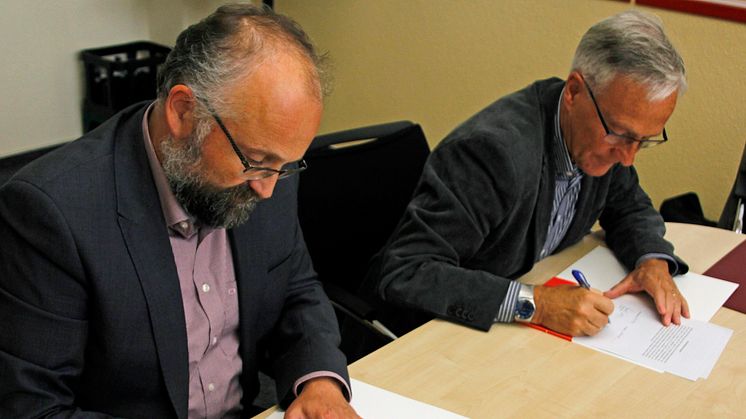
<point x="371" y="402"/>
<point x="635" y="333"/>
<point x="704" y="294"/>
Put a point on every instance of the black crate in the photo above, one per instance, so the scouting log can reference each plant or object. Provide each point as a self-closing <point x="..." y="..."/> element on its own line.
<point x="117" y="76"/>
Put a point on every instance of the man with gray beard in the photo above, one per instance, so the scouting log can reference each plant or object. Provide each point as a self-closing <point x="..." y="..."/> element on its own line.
<point x="224" y="207"/>
<point x="153" y="266"/>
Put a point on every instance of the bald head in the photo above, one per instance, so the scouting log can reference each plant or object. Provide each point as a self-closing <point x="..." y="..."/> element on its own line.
<point x="212" y="56"/>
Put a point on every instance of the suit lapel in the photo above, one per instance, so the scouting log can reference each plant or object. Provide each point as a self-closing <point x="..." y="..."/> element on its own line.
<point x="146" y="237"/>
<point x="583" y="208"/>
<point x="250" y="265"/>
<point x="545" y="197"/>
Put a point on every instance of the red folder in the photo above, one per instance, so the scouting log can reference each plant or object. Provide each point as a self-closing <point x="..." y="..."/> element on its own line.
<point x="553" y="283"/>
<point x="732" y="267"/>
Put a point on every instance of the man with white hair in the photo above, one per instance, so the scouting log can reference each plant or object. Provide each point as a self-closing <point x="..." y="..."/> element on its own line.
<point x="529" y="176"/>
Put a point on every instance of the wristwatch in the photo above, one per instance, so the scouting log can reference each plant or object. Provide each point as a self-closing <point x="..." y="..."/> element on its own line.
<point x="524" y="306"/>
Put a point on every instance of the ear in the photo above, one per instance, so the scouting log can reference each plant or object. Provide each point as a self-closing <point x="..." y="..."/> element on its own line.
<point x="179" y="111"/>
<point x="573" y="87"/>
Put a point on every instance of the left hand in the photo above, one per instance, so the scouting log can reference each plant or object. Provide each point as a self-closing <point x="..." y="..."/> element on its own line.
<point x="320" y="398"/>
<point x="652" y="277"/>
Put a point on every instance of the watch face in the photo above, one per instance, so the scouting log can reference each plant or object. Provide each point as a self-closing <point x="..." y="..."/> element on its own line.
<point x="524" y="310"/>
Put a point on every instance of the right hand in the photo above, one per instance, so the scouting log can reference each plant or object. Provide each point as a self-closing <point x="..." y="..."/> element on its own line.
<point x="321" y="398"/>
<point x="571" y="310"/>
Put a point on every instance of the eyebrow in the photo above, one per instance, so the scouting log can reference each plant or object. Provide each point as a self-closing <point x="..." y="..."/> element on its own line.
<point x="628" y="132"/>
<point x="266" y="153"/>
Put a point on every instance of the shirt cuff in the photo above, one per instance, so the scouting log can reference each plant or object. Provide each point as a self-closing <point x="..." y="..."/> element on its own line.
<point x="506" y="313"/>
<point x="673" y="266"/>
<point x="310" y="376"/>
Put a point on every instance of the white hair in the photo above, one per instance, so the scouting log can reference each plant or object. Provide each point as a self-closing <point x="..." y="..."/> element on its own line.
<point x="631" y="44"/>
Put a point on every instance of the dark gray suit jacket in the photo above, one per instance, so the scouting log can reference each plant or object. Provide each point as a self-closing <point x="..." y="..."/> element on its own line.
<point x="480" y="214"/>
<point x="92" y="317"/>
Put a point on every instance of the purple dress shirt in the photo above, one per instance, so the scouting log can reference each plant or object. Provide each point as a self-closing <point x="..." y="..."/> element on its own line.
<point x="209" y="293"/>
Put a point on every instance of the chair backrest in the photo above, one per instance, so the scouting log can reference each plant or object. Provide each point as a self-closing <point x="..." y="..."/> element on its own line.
<point x="732" y="217"/>
<point x="11" y="164"/>
<point x="354" y="193"/>
<point x="684" y="208"/>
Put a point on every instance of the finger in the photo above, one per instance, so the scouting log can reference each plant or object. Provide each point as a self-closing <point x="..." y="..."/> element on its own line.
<point x="676" y="315"/>
<point x="622" y="287"/>
<point x="684" y="307"/>
<point x="661" y="299"/>
<point x="600" y="321"/>
<point x="604" y="305"/>
<point x="592" y="327"/>
<point x="667" y="312"/>
<point x="293" y="414"/>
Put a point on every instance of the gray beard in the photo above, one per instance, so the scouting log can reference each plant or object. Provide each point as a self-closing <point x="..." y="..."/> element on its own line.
<point x="211" y="206"/>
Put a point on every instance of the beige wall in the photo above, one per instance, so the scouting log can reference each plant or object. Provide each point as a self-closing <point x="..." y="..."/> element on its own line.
<point x="439" y="61"/>
<point x="432" y="61"/>
<point x="41" y="76"/>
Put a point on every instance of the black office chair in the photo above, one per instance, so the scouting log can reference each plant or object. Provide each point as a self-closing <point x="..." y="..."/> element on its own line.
<point x="684" y="208"/>
<point x="351" y="198"/>
<point x="11" y="164"/>
<point x="733" y="212"/>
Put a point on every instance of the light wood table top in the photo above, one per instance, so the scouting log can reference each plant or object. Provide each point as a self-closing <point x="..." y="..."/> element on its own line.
<point x="515" y="371"/>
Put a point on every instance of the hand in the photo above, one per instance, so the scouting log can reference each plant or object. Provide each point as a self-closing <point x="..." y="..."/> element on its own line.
<point x="652" y="277"/>
<point x="320" y="398"/>
<point x="571" y="310"/>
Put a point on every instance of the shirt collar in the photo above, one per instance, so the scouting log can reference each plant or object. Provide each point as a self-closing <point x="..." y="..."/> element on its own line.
<point x="563" y="162"/>
<point x="177" y="219"/>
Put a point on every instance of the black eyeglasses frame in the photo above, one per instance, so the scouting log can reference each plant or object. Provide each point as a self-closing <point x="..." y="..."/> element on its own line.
<point x="643" y="143"/>
<point x="251" y="171"/>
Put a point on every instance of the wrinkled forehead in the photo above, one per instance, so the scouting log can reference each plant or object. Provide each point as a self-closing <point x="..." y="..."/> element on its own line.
<point x="276" y="110"/>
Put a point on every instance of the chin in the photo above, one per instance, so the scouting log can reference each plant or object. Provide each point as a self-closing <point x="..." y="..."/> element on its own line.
<point x="596" y="170"/>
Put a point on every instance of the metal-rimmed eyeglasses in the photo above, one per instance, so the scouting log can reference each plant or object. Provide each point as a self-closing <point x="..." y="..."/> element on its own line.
<point x="616" y="139"/>
<point x="254" y="171"/>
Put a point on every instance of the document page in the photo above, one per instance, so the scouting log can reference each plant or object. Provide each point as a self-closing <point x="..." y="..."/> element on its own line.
<point x="373" y="402"/>
<point x="704" y="294"/>
<point x="635" y="333"/>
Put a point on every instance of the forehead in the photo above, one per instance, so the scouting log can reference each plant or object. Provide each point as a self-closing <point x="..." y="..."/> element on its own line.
<point x="626" y="105"/>
<point x="276" y="108"/>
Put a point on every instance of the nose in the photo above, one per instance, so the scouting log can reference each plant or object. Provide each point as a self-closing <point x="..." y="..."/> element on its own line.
<point x="626" y="153"/>
<point x="264" y="187"/>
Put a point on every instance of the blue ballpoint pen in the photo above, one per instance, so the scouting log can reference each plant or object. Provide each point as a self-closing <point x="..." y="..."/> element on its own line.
<point x="581" y="279"/>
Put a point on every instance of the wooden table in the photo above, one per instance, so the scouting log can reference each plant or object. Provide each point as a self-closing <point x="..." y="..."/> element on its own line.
<point x="515" y="371"/>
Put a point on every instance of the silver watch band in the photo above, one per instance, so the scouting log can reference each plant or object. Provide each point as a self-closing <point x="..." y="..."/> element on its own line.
<point x="525" y="306"/>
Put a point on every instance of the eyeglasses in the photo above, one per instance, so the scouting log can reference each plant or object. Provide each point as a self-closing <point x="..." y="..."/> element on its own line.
<point x="251" y="171"/>
<point x="615" y="139"/>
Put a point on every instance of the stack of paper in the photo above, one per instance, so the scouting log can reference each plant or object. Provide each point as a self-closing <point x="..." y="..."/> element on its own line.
<point x="635" y="332"/>
<point x="372" y="402"/>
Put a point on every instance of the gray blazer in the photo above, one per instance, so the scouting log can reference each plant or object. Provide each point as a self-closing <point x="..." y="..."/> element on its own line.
<point x="92" y="317"/>
<point x="480" y="214"/>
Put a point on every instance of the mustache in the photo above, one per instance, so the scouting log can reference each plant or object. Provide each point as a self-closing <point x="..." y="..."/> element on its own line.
<point x="211" y="205"/>
<point x="217" y="207"/>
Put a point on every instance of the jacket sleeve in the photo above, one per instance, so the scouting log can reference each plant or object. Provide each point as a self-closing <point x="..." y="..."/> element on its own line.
<point x="306" y="337"/>
<point x="633" y="227"/>
<point x="43" y="305"/>
<point x="463" y="194"/>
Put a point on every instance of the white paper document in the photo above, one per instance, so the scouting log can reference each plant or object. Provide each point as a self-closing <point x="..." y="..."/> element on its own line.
<point x="704" y="294"/>
<point x="373" y="402"/>
<point x="635" y="332"/>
